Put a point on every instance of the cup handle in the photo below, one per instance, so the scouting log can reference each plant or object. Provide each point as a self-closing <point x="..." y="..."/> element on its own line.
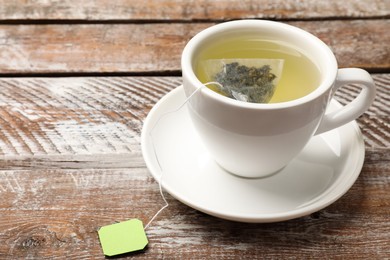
<point x="357" y="106"/>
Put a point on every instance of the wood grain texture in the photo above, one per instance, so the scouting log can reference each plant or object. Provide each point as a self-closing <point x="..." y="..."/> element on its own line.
<point x="150" y="48"/>
<point x="87" y="122"/>
<point x="166" y="10"/>
<point x="70" y="158"/>
<point x="55" y="214"/>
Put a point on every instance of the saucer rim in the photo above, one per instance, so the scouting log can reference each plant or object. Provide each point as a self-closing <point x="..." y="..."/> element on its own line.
<point x="324" y="199"/>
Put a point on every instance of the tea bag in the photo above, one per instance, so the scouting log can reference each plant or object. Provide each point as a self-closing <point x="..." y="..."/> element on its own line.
<point x="248" y="80"/>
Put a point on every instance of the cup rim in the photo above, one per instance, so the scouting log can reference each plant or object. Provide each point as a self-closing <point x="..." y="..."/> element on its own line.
<point x="188" y="53"/>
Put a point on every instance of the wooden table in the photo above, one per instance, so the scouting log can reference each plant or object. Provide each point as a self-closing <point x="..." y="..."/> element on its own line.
<point x="77" y="79"/>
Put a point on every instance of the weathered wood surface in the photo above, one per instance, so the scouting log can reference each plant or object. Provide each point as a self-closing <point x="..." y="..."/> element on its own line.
<point x="99" y="119"/>
<point x="89" y="120"/>
<point x="54" y="214"/>
<point x="140" y="48"/>
<point x="71" y="163"/>
<point x="70" y="158"/>
<point x="167" y="10"/>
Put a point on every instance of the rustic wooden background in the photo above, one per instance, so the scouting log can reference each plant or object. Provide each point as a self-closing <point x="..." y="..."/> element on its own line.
<point x="77" y="79"/>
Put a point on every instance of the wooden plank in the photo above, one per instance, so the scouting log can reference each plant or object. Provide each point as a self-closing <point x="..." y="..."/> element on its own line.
<point x="140" y="48"/>
<point x="97" y="121"/>
<point x="189" y="10"/>
<point x="55" y="214"/>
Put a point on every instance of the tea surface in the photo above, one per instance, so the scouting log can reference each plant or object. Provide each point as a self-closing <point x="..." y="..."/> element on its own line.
<point x="299" y="75"/>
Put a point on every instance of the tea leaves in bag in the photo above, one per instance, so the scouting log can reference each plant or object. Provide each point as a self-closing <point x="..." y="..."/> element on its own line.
<point x="248" y="80"/>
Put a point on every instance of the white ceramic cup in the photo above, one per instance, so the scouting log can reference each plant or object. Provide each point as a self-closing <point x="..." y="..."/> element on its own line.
<point x="255" y="140"/>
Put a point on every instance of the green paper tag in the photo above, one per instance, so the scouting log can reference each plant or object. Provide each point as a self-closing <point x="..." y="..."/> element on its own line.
<point x="123" y="237"/>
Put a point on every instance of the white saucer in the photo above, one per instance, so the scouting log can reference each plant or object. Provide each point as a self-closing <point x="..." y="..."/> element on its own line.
<point x="321" y="174"/>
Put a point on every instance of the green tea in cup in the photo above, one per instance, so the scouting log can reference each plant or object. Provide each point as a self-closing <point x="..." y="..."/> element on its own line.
<point x="275" y="71"/>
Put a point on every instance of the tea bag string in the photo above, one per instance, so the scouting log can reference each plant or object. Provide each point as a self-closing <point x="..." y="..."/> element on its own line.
<point x="155" y="152"/>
